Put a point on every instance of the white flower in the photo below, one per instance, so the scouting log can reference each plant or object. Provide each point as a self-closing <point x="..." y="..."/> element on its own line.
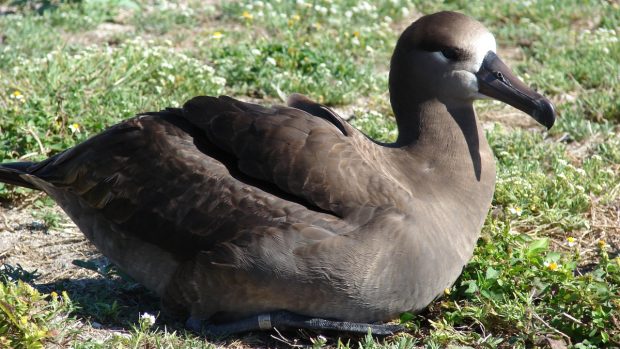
<point x="271" y="61"/>
<point x="515" y="211"/>
<point x="147" y="319"/>
<point x="321" y="9"/>
<point x="319" y="341"/>
<point x="219" y="80"/>
<point x="206" y="68"/>
<point x="74" y="127"/>
<point x="16" y="95"/>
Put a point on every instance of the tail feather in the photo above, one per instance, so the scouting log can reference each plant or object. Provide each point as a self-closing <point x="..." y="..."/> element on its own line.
<point x="12" y="173"/>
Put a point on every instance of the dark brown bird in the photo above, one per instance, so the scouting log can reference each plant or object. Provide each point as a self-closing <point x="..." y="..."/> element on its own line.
<point x="251" y="216"/>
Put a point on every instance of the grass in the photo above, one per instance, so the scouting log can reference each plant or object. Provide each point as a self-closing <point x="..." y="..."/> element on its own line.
<point x="547" y="264"/>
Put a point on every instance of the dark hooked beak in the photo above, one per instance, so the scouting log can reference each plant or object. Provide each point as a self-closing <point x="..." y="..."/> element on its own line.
<point x="497" y="81"/>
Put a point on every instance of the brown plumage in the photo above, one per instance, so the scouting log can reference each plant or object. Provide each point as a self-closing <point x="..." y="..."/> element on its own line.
<point x="229" y="209"/>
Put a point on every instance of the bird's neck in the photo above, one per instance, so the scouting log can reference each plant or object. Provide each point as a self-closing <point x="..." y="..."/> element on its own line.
<point x="446" y="162"/>
<point x="447" y="132"/>
<point x="444" y="144"/>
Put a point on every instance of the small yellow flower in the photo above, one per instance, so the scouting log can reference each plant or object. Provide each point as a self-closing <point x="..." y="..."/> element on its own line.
<point x="217" y="35"/>
<point x="74" y="127"/>
<point x="447" y="291"/>
<point x="570" y="241"/>
<point x="553" y="266"/>
<point x="54" y="295"/>
<point x="42" y="333"/>
<point x="356" y="34"/>
<point x="294" y="18"/>
<point x="602" y="244"/>
<point x="23" y="319"/>
<point x="247" y="15"/>
<point x="17" y="94"/>
<point x="29" y="289"/>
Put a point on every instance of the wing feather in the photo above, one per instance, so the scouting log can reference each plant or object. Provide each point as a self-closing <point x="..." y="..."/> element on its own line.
<point x="318" y="158"/>
<point x="157" y="179"/>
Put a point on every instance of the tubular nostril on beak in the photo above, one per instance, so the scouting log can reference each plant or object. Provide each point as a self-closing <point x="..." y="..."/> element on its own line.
<point x="499" y="76"/>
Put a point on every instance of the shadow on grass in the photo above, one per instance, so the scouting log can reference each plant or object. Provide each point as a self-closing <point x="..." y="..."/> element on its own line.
<point x="116" y="304"/>
<point x="107" y="302"/>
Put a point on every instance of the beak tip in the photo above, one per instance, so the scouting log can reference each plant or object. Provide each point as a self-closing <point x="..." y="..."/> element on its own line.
<point x="545" y="114"/>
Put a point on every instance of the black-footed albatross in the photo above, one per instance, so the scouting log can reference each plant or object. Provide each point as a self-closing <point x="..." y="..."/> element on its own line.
<point x="250" y="217"/>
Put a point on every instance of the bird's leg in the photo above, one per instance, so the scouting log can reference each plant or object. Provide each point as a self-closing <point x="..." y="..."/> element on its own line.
<point x="285" y="319"/>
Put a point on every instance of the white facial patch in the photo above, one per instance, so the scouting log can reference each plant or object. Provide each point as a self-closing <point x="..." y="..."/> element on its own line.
<point x="480" y="47"/>
<point x="469" y="83"/>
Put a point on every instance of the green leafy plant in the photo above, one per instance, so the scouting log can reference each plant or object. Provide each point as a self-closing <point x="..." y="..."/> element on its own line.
<point x="29" y="319"/>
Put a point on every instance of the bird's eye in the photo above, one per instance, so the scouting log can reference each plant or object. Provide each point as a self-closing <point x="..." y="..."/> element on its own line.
<point x="450" y="54"/>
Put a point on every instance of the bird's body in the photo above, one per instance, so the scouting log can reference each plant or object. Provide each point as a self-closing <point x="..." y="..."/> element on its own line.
<point x="228" y="209"/>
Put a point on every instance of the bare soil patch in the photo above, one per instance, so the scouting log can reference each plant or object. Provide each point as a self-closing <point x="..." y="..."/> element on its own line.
<point x="104" y="33"/>
<point x="25" y="240"/>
